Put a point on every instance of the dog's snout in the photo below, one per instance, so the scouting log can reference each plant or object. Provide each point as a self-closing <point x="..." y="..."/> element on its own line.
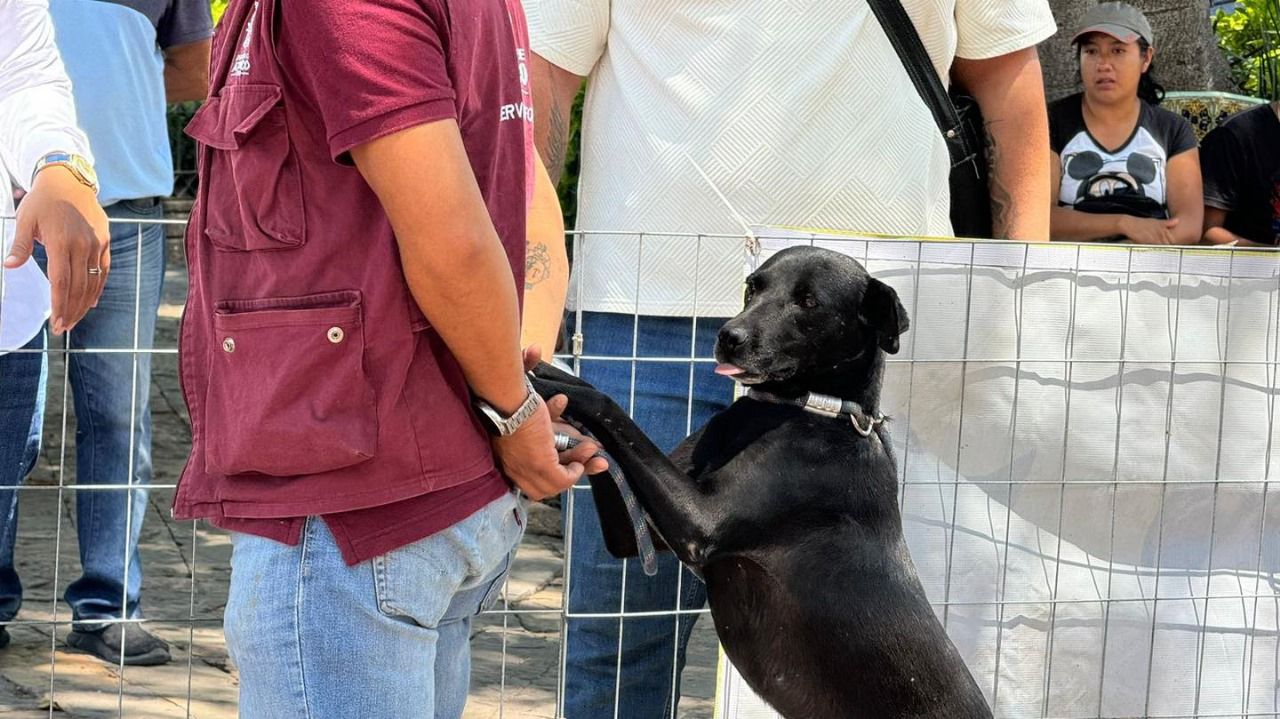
<point x="731" y="337"/>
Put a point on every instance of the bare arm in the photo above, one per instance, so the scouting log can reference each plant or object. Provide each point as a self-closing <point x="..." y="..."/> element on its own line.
<point x="1185" y="189"/>
<point x="459" y="275"/>
<point x="554" y="90"/>
<point x="1010" y="90"/>
<point x="186" y="72"/>
<point x="1216" y="233"/>
<point x="546" y="269"/>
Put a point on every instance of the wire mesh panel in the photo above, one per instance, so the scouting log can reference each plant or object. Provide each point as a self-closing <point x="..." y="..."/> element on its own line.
<point x="1084" y="438"/>
<point x="1085" y="442"/>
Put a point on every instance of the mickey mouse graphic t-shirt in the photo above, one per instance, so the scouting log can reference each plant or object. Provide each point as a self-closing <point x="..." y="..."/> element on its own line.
<point x="1129" y="179"/>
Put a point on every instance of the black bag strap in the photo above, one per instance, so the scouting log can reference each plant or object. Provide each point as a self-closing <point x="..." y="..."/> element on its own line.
<point x="911" y="52"/>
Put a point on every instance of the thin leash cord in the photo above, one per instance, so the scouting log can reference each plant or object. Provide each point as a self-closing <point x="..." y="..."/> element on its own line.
<point x="639" y="526"/>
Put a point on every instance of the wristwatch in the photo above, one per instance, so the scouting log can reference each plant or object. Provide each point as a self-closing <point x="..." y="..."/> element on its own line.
<point x="78" y="165"/>
<point x="496" y="424"/>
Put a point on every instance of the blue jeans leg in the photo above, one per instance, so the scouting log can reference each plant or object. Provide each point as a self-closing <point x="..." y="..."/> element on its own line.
<point x="22" y="375"/>
<point x="647" y="682"/>
<point x="314" y="638"/>
<point x="112" y="393"/>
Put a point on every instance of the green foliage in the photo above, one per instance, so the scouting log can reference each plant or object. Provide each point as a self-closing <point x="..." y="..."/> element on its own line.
<point x="1250" y="36"/>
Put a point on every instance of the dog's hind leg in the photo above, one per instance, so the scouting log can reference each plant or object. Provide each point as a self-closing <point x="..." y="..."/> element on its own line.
<point x="675" y="505"/>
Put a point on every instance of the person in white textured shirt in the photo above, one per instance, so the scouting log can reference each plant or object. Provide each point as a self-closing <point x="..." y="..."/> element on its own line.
<point x="44" y="153"/>
<point x="707" y="118"/>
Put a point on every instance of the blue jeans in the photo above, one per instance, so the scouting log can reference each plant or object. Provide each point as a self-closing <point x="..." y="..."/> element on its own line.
<point x="22" y="381"/>
<point x="113" y="415"/>
<point x="647" y="683"/>
<point x="315" y="638"/>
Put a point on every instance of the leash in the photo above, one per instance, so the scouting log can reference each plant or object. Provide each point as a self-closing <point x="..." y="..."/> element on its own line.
<point x="639" y="524"/>
<point x="826" y="406"/>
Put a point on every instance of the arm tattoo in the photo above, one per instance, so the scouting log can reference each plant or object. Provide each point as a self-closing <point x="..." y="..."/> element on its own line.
<point x="537" y="265"/>
<point x="1001" y="200"/>
<point x="557" y="143"/>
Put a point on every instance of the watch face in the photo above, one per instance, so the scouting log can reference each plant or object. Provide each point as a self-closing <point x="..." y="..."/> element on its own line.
<point x="82" y="166"/>
<point x="86" y="169"/>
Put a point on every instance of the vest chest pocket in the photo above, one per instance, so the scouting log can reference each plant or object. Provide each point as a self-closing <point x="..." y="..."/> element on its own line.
<point x="252" y="184"/>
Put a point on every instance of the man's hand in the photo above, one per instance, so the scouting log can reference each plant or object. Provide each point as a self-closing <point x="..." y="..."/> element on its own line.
<point x="528" y="458"/>
<point x="584" y="452"/>
<point x="63" y="214"/>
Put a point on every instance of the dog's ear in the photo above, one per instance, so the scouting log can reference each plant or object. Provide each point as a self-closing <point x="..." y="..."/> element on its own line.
<point x="884" y="314"/>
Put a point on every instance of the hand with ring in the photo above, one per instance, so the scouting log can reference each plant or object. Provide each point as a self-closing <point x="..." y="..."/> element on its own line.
<point x="63" y="214"/>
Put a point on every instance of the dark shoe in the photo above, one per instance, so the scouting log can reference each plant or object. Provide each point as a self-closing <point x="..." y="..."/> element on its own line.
<point x="141" y="648"/>
<point x="4" y="637"/>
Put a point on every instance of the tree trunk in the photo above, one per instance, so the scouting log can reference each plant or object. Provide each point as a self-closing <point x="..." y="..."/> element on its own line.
<point x="1187" y="54"/>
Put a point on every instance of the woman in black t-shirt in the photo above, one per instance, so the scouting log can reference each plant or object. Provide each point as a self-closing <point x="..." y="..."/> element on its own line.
<point x="1122" y="167"/>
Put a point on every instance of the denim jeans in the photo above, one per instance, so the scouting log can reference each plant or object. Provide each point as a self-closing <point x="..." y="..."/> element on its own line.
<point x="315" y="638"/>
<point x="647" y="682"/>
<point x="22" y="382"/>
<point x="112" y="393"/>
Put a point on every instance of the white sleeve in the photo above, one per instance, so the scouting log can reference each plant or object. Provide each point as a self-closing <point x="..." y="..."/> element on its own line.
<point x="990" y="28"/>
<point x="37" y="113"/>
<point x="570" y="34"/>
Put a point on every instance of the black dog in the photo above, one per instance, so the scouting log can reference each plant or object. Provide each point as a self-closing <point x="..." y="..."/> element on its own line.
<point x="790" y="515"/>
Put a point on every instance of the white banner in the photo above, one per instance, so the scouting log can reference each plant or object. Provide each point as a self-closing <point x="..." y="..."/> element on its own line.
<point x="1086" y="443"/>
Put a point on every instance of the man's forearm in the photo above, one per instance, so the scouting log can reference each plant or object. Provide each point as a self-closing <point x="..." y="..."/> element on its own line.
<point x="546" y="272"/>
<point x="452" y="258"/>
<point x="186" y="72"/>
<point x="1010" y="91"/>
<point x="468" y="294"/>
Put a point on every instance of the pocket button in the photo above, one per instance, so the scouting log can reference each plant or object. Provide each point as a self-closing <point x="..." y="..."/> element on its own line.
<point x="336" y="334"/>
<point x="228" y="345"/>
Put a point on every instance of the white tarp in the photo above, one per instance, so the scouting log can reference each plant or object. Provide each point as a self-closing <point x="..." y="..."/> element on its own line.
<point x="1085" y="440"/>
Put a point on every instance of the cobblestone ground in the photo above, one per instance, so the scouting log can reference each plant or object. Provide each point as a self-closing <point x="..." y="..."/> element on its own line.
<point x="185" y="587"/>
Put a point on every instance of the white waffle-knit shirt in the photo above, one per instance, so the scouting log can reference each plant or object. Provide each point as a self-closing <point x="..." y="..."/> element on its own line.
<point x="798" y="112"/>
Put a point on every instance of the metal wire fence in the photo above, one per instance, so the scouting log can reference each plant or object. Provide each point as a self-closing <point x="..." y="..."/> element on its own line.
<point x="1084" y="437"/>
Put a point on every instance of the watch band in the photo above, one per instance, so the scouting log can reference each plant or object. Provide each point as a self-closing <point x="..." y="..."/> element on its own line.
<point x="78" y="165"/>
<point x="505" y="426"/>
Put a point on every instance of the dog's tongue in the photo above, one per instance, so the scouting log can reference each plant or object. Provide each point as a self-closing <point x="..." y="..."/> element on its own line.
<point x="728" y="370"/>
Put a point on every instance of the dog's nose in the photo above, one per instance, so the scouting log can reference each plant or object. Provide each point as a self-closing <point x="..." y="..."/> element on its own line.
<point x="731" y="337"/>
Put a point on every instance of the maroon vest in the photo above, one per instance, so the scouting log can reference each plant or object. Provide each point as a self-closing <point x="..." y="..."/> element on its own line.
<point x="315" y="385"/>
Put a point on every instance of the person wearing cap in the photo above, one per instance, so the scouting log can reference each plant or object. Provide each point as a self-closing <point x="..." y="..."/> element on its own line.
<point x="1122" y="167"/>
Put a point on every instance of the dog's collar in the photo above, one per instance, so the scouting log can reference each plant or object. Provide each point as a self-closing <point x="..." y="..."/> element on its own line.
<point x="827" y="406"/>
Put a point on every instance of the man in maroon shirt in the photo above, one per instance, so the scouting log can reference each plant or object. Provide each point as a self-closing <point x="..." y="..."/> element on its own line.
<point x="357" y="254"/>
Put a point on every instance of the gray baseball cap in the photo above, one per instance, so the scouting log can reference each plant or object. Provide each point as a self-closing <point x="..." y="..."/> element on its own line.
<point x="1119" y="20"/>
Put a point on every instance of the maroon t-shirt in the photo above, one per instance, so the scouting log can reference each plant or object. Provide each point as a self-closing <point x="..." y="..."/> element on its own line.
<point x="316" y="386"/>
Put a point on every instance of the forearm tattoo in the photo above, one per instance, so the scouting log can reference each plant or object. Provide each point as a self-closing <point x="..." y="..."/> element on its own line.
<point x="557" y="141"/>
<point x="537" y="265"/>
<point x="1001" y="199"/>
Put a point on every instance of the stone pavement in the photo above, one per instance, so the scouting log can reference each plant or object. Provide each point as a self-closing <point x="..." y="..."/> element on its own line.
<point x="185" y="587"/>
